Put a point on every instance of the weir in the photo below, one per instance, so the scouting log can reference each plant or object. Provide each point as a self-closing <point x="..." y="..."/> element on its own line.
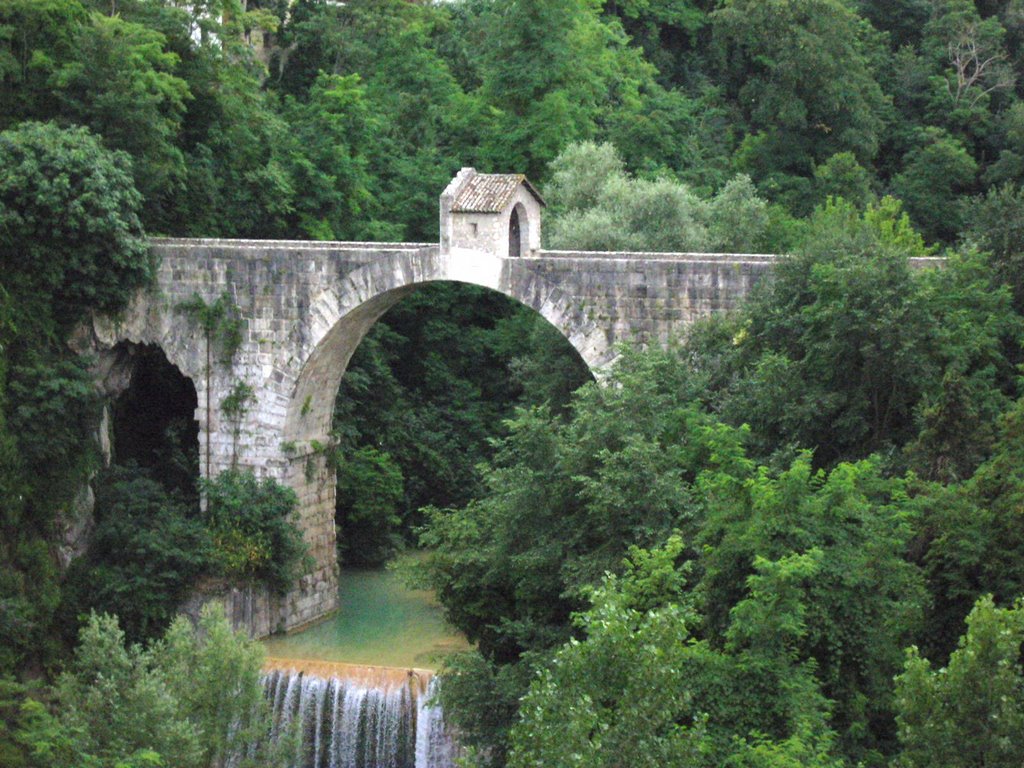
<point x="351" y="716"/>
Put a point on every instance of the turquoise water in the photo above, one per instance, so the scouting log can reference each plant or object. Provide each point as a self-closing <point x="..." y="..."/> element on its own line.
<point x="380" y="622"/>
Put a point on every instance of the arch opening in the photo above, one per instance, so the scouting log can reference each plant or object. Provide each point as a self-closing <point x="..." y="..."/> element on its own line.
<point x="152" y="424"/>
<point x="519" y="231"/>
<point x="511" y="353"/>
<point x="427" y="388"/>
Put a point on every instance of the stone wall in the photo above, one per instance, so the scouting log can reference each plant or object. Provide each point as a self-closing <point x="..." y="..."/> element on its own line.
<point x="650" y="297"/>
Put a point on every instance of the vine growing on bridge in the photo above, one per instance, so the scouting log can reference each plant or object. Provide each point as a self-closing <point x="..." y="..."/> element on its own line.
<point x="234" y="407"/>
<point x="221" y="323"/>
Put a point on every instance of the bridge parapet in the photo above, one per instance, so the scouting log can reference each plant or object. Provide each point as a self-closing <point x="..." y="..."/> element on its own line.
<point x="305" y="245"/>
<point x="738" y="258"/>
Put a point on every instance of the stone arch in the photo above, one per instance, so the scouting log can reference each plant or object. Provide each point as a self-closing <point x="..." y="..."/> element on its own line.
<point x="343" y="315"/>
<point x="337" y="319"/>
<point x="153" y="321"/>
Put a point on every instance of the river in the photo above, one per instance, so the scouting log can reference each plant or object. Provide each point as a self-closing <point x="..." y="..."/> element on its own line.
<point x="380" y="622"/>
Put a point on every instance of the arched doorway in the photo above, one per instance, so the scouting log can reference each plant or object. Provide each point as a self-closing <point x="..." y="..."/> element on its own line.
<point x="518" y="231"/>
<point x="514" y="235"/>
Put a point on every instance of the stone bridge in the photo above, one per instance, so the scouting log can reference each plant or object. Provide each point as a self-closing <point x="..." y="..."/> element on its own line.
<point x="305" y="307"/>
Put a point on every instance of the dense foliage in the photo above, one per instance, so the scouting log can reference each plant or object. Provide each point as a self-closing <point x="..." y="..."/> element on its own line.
<point x="253" y="527"/>
<point x="719" y="558"/>
<point x="147" y="550"/>
<point x="320" y="119"/>
<point x="193" y="698"/>
<point x="834" y="468"/>
<point x="70" y="241"/>
<point x="151" y="546"/>
<point x="413" y="420"/>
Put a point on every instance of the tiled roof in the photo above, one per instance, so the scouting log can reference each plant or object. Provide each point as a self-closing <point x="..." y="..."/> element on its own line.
<point x="490" y="192"/>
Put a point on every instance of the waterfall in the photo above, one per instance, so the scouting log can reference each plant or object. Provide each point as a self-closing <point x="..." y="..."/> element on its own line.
<point x="358" y="717"/>
<point x="434" y="746"/>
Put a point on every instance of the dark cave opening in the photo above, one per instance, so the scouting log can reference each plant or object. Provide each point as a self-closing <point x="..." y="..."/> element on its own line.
<point x="154" y="426"/>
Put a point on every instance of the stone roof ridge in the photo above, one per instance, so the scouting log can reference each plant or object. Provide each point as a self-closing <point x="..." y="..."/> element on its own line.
<point x="458" y="181"/>
<point x="487" y="192"/>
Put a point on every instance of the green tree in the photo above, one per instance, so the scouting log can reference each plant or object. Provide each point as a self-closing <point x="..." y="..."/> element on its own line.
<point x="973" y="335"/>
<point x="996" y="226"/>
<point x="842" y="176"/>
<point x="328" y="159"/>
<point x="115" y="705"/>
<point x="864" y="600"/>
<point x="145" y="554"/>
<point x="228" y="707"/>
<point x="973" y="538"/>
<point x="970" y="712"/>
<point x="422" y="123"/>
<point x="71" y="243"/>
<point x="552" y="70"/>
<point x="598" y="206"/>
<point x="122" y="84"/>
<point x="370" y="498"/>
<point x="640" y="685"/>
<point x="192" y="699"/>
<point x="563" y="501"/>
<point x="972" y="76"/>
<point x="902" y="19"/>
<point x="636" y="215"/>
<point x="737" y="217"/>
<point x="115" y="76"/>
<point x="619" y="692"/>
<point x="579" y="175"/>
<point x="912" y="344"/>
<point x="935" y="178"/>
<point x="36" y="39"/>
<point x="71" y="236"/>
<point x="844" y="302"/>
<point x="53" y="408"/>
<point x="234" y="140"/>
<point x="800" y="73"/>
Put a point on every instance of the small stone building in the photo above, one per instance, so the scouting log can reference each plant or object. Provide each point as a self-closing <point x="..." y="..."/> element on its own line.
<point x="494" y="213"/>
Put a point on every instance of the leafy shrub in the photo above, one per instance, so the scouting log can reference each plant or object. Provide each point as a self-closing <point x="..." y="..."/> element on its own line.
<point x="151" y="546"/>
<point x="252" y="524"/>
<point x="191" y="700"/>
<point x="970" y="712"/>
<point x="147" y="551"/>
